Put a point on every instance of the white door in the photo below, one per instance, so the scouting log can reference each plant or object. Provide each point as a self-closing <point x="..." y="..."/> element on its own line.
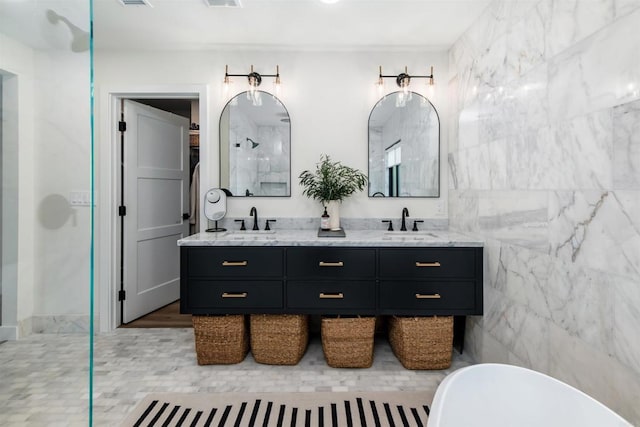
<point x="156" y="195"/>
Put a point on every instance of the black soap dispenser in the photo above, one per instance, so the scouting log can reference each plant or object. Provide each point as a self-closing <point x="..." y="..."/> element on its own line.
<point x="324" y="220"/>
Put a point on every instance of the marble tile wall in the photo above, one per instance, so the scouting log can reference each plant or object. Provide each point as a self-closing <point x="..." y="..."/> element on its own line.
<point x="544" y="160"/>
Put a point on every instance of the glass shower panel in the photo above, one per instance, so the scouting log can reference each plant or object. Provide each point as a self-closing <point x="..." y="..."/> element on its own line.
<point x="45" y="65"/>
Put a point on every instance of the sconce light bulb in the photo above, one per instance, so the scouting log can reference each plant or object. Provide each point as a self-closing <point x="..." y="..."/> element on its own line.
<point x="380" y="86"/>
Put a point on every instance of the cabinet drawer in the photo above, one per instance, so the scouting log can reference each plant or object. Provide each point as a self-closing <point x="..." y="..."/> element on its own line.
<point x="235" y="294"/>
<point x="331" y="262"/>
<point x="428" y="295"/>
<point x="235" y="262"/>
<point x="428" y="262"/>
<point x="331" y="295"/>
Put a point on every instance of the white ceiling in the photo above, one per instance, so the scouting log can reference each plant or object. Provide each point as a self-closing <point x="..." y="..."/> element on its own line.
<point x="273" y="24"/>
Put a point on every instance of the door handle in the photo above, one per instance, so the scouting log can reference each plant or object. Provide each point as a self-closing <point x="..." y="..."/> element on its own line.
<point x="336" y="295"/>
<point x="427" y="264"/>
<point x="232" y="295"/>
<point x="331" y="264"/>
<point x="235" y="263"/>
<point x="428" y="296"/>
<point x="185" y="216"/>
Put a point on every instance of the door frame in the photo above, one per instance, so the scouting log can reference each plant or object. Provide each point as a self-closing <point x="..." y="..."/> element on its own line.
<point x="107" y="176"/>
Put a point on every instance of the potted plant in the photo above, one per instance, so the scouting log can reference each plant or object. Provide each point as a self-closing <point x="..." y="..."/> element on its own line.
<point x="331" y="183"/>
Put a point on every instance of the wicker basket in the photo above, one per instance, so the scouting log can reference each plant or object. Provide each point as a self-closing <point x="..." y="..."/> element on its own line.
<point x="220" y="339"/>
<point x="422" y="342"/>
<point x="348" y="342"/>
<point x="279" y="339"/>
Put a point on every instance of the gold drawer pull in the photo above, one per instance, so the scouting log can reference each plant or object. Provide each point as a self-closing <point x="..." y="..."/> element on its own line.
<point x="235" y="263"/>
<point x="427" y="264"/>
<point x="331" y="264"/>
<point x="337" y="295"/>
<point x="230" y="295"/>
<point x="428" y="296"/>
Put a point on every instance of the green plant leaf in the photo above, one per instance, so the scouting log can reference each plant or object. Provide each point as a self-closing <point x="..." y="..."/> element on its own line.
<point x="331" y="181"/>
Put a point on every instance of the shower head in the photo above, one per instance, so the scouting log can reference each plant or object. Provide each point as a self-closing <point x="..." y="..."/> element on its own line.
<point x="253" y="143"/>
<point x="80" y="39"/>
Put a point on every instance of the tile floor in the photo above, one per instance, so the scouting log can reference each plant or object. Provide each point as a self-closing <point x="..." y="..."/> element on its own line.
<point x="44" y="379"/>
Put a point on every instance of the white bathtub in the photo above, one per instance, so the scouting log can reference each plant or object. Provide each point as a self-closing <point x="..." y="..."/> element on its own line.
<point x="496" y="395"/>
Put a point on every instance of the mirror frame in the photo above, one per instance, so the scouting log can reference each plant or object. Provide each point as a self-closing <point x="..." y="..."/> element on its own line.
<point x="220" y="148"/>
<point x="369" y="150"/>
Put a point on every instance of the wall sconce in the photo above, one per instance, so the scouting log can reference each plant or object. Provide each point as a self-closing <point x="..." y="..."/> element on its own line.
<point x="402" y="80"/>
<point x="254" y="79"/>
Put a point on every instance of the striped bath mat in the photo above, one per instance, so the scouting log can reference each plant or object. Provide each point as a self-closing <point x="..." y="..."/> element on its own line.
<point x="337" y="409"/>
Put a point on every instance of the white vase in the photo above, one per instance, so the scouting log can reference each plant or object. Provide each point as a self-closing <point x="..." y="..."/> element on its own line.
<point x="333" y="209"/>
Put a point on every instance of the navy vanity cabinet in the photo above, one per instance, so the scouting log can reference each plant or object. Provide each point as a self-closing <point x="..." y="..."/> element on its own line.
<point x="409" y="281"/>
<point x="430" y="281"/>
<point x="331" y="280"/>
<point x="231" y="280"/>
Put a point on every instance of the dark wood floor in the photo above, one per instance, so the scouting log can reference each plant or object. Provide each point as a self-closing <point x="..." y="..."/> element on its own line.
<point x="166" y="317"/>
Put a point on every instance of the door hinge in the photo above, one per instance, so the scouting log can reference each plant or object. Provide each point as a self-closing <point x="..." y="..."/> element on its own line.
<point x="122" y="210"/>
<point x="122" y="126"/>
<point x="122" y="295"/>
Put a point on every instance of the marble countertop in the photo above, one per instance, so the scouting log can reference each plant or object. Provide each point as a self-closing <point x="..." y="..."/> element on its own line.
<point x="361" y="238"/>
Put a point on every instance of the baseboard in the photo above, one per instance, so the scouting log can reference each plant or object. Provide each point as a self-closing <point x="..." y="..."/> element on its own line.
<point x="60" y="324"/>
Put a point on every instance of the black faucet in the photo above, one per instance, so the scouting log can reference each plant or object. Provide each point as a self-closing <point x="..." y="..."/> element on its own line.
<point x="405" y="213"/>
<point x="254" y="213"/>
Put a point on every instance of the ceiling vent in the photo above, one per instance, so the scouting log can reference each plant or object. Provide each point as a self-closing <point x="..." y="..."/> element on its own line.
<point x="223" y="3"/>
<point x="135" y="2"/>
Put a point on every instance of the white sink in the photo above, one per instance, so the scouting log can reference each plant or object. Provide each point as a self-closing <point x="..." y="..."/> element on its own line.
<point x="408" y="235"/>
<point x="251" y="235"/>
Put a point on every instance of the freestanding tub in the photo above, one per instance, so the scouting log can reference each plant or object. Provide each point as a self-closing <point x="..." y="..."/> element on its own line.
<point x="496" y="395"/>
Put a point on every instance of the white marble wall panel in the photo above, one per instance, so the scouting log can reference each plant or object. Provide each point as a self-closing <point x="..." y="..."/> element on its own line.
<point x="626" y="345"/>
<point x="467" y="128"/>
<point x="487" y="29"/>
<point x="623" y="7"/>
<point x="581" y="301"/>
<point x="569" y="21"/>
<point x="594" y="74"/>
<point x="572" y="154"/>
<point x="492" y="66"/>
<point x="528" y="98"/>
<point x="522" y="331"/>
<point x="461" y="58"/>
<point x="525" y="44"/>
<point x="513" y="217"/>
<point x="626" y="146"/>
<point x="493" y="267"/>
<point x="626" y="389"/>
<point x="585" y="367"/>
<point x="523" y="277"/>
<point x="588" y="142"/>
<point x="547" y="170"/>
<point x="597" y="230"/>
<point x="483" y="345"/>
<point x="473" y="168"/>
<point x="463" y="210"/>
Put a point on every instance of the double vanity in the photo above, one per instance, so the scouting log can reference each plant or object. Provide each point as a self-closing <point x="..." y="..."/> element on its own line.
<point x="366" y="273"/>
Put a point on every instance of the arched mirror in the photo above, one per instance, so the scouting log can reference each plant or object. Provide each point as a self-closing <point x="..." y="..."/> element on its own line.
<point x="404" y="147"/>
<point x="255" y="146"/>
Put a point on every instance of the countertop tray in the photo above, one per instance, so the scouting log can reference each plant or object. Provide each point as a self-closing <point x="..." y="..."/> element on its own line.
<point x="331" y="233"/>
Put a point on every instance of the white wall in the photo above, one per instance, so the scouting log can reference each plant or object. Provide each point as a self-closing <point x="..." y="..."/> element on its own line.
<point x="18" y="61"/>
<point x="62" y="156"/>
<point x="329" y="96"/>
<point x="53" y="144"/>
<point x="544" y="160"/>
